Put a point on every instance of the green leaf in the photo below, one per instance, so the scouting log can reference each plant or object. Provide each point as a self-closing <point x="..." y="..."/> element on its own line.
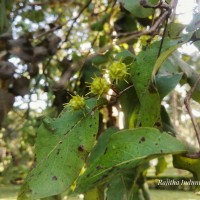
<point x="34" y="15"/>
<point x="127" y="149"/>
<point x="2" y="14"/>
<point x="100" y="147"/>
<point x="192" y="76"/>
<point x="167" y="82"/>
<point x="93" y="194"/>
<point x="190" y="164"/>
<point x="197" y="44"/>
<point x="141" y="73"/>
<point x="125" y="56"/>
<point x="166" y="121"/>
<point x="197" y="34"/>
<point x="62" y="147"/>
<point x="98" y="26"/>
<point x="102" y="40"/>
<point x="164" y="56"/>
<point x="4" y="17"/>
<point x="126" y="22"/>
<point x="168" y="67"/>
<point x="99" y="59"/>
<point x="174" y="29"/>
<point x="136" y="9"/>
<point x="161" y="166"/>
<point x="120" y="185"/>
<point x="129" y="184"/>
<point x="130" y="108"/>
<point x="116" y="188"/>
<point x="197" y="39"/>
<point x="167" y="77"/>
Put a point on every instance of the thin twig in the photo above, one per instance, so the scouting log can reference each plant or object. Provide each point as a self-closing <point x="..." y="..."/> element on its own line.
<point x="193" y="155"/>
<point x="75" y="19"/>
<point x="163" y="36"/>
<point x="133" y="36"/>
<point x="123" y="91"/>
<point x="188" y="107"/>
<point x="38" y="3"/>
<point x="52" y="29"/>
<point x="60" y="26"/>
<point x="160" y="4"/>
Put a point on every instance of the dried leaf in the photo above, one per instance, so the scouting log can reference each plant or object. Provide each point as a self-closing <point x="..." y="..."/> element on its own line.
<point x="6" y="103"/>
<point x="7" y="70"/>
<point x="20" y="86"/>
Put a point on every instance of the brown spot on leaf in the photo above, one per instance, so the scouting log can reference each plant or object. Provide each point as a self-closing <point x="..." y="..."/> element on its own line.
<point x="105" y="151"/>
<point x="157" y="124"/>
<point x="81" y="148"/>
<point x="89" y="174"/>
<point x="105" y="176"/>
<point x="54" y="178"/>
<point x="96" y="181"/>
<point x="142" y="139"/>
<point x="58" y="152"/>
<point x="110" y="170"/>
<point x="32" y="175"/>
<point x="152" y="88"/>
<point x="98" y="167"/>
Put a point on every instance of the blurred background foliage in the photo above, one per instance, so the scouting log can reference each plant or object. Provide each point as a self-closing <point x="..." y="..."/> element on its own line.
<point x="45" y="56"/>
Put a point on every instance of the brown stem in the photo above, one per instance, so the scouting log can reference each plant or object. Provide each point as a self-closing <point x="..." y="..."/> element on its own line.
<point x="122" y="92"/>
<point x="40" y="3"/>
<point x="163" y="37"/>
<point x="188" y="107"/>
<point x="133" y="36"/>
<point x="160" y="4"/>
<point x="193" y="155"/>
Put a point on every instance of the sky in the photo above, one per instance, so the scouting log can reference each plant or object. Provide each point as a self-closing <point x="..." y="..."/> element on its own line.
<point x="184" y="10"/>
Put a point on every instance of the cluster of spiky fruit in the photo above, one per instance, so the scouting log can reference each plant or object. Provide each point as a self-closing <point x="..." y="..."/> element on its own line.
<point x="99" y="85"/>
<point x="77" y="102"/>
<point x="117" y="71"/>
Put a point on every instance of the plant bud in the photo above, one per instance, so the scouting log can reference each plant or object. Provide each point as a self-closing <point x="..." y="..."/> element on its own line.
<point x="77" y="102"/>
